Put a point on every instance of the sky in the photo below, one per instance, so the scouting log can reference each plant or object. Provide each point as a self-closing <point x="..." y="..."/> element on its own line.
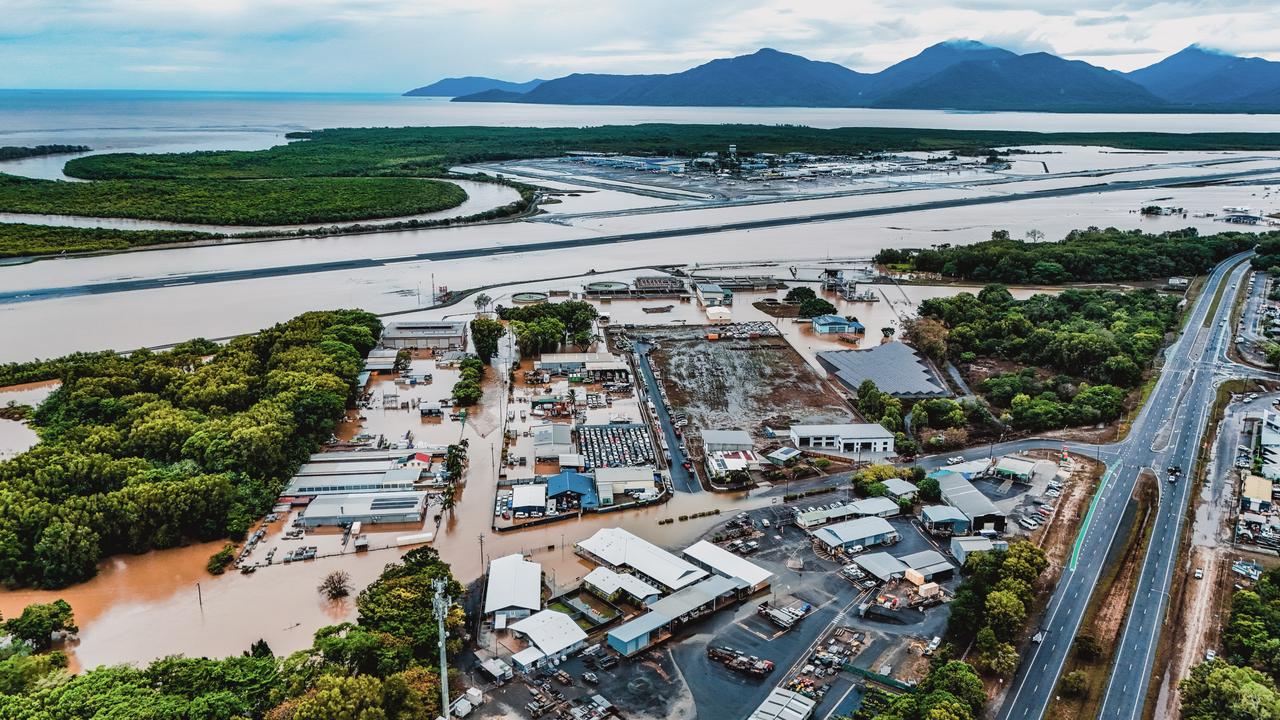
<point x="394" y="45"/>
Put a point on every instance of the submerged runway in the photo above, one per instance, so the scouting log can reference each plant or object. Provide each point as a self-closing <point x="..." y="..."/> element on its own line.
<point x="487" y="251"/>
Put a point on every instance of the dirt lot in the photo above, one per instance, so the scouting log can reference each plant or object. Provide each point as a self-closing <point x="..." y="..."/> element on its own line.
<point x="742" y="383"/>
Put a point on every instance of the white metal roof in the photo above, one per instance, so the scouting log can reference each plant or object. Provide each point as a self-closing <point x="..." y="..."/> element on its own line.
<point x="898" y="486"/>
<point x="854" y="530"/>
<point x="958" y="491"/>
<point x="881" y="564"/>
<point x="619" y="548"/>
<point x="523" y="496"/>
<point x="927" y="562"/>
<point x="784" y="705"/>
<point x="726" y="563"/>
<point x="609" y="582"/>
<point x="873" y="506"/>
<point x="726" y="437"/>
<point x="550" y="631"/>
<point x="847" y="431"/>
<point x="513" y="583"/>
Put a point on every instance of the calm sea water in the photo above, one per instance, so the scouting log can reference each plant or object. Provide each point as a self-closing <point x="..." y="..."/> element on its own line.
<point x="119" y="119"/>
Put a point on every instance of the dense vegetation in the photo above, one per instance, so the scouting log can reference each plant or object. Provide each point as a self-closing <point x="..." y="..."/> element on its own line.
<point x="1090" y="255"/>
<point x="13" y="152"/>
<point x="1268" y="257"/>
<point x="382" y="667"/>
<point x="546" y="326"/>
<point x="1080" y="348"/>
<point x="951" y="691"/>
<point x="274" y="201"/>
<point x="468" y="391"/>
<point x="991" y="606"/>
<point x="22" y="240"/>
<point x="156" y="449"/>
<point x="1242" y="682"/>
<point x="430" y="151"/>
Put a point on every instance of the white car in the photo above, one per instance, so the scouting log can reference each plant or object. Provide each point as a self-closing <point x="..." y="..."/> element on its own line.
<point x="856" y="549"/>
<point x="1199" y="573"/>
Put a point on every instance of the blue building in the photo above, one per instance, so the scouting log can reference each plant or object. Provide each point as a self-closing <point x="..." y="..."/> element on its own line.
<point x="574" y="486"/>
<point x="836" y="325"/>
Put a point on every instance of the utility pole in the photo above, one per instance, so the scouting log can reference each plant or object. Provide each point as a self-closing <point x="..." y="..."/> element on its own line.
<point x="482" y="553"/>
<point x="440" y="604"/>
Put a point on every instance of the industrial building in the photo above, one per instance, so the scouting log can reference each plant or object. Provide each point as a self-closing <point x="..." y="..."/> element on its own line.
<point x="612" y="585"/>
<point x="894" y="367"/>
<point x="881" y="565"/>
<point x="425" y="334"/>
<point x="1256" y="494"/>
<point x="366" y="508"/>
<point x="659" y="285"/>
<point x="823" y="516"/>
<point x="926" y="566"/>
<point x="726" y="440"/>
<point x="619" y="550"/>
<point x="944" y="520"/>
<point x="639" y="482"/>
<point x="710" y="294"/>
<point x="551" y="440"/>
<point x="573" y="489"/>
<point x="1269" y="445"/>
<point x="900" y="489"/>
<point x="380" y="360"/>
<point x="874" y="507"/>
<point x="529" y="498"/>
<point x="865" y="531"/>
<point x="588" y="366"/>
<point x="514" y="589"/>
<point x="392" y="480"/>
<point x="670" y="612"/>
<point x="716" y="559"/>
<point x="836" y="325"/>
<point x="550" y="634"/>
<point x="784" y="705"/>
<point x="1014" y="468"/>
<point x="960" y="493"/>
<point x="963" y="547"/>
<point x="870" y="440"/>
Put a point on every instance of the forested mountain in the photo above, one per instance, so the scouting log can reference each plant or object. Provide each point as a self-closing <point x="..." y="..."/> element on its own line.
<point x="469" y="85"/>
<point x="957" y="74"/>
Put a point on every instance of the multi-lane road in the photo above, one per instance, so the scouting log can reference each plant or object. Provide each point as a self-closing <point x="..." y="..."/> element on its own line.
<point x="1168" y="431"/>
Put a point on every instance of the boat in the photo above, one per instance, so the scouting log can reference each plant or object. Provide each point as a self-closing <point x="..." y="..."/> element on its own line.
<point x="659" y="309"/>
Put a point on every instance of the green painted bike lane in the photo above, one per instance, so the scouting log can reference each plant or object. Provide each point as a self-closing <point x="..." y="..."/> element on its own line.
<point x="1088" y="518"/>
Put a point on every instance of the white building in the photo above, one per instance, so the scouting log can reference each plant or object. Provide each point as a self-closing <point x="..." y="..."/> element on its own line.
<point x="868" y="440"/>
<point x="784" y="705"/>
<point x="433" y="334"/>
<point x="551" y="634"/>
<point x="514" y="589"/>
<point x="722" y="562"/>
<point x="618" y="549"/>
<point x="1270" y="445"/>
<point x="726" y="440"/>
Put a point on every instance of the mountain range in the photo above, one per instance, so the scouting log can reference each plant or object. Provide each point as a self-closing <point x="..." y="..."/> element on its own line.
<point x="470" y="85"/>
<point x="954" y="75"/>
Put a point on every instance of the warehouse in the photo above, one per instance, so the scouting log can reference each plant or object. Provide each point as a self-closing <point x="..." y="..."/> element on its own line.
<point x="712" y="295"/>
<point x="367" y="508"/>
<point x="874" y="507"/>
<point x="957" y="491"/>
<point x="551" y="440"/>
<point x="1014" y="468"/>
<point x="551" y="635"/>
<point x="529" y="499"/>
<point x="514" y="590"/>
<point x="573" y="490"/>
<point x="600" y="365"/>
<point x="824" y="516"/>
<point x="726" y="441"/>
<point x="894" y="367"/>
<point x="881" y="565"/>
<point x="612" y="585"/>
<point x="394" y="480"/>
<point x="927" y="566"/>
<point x="784" y="705"/>
<point x="425" y="334"/>
<point x="944" y="520"/>
<point x="1255" y="496"/>
<point x="869" y="440"/>
<point x="640" y="483"/>
<point x="718" y="560"/>
<point x="865" y="531"/>
<point x="667" y="614"/>
<point x="963" y="547"/>
<point x="900" y="489"/>
<point x="618" y="549"/>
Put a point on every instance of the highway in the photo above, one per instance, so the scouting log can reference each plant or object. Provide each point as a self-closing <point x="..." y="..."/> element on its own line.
<point x="1167" y="431"/>
<point x="152" y="283"/>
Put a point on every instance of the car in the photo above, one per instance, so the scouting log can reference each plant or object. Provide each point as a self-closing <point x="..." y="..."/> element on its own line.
<point x="856" y="549"/>
<point x="764" y="522"/>
<point x="1199" y="573"/>
<point x="1210" y="656"/>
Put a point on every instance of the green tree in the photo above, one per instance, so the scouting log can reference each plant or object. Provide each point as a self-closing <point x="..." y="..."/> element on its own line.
<point x="958" y="679"/>
<point x="1074" y="684"/>
<point x="66" y="553"/>
<point x="1006" y="613"/>
<point x="799" y="294"/>
<point x="38" y="622"/>
<point x="485" y="334"/>
<point x="813" y="307"/>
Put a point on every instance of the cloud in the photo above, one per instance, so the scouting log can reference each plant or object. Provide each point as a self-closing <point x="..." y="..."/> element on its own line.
<point x="390" y="45"/>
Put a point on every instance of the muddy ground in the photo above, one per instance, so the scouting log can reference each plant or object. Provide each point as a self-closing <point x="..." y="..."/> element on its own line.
<point x="745" y="384"/>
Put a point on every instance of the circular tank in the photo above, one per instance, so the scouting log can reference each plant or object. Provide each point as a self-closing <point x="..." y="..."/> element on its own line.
<point x="607" y="286"/>
<point x="529" y="297"/>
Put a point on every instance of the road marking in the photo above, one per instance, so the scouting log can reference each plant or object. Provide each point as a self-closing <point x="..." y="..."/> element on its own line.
<point x="1088" y="517"/>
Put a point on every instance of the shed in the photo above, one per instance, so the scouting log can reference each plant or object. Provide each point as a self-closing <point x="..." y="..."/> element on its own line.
<point x="551" y="632"/>
<point x="569" y="484"/>
<point x="963" y="547"/>
<point x="782" y="456"/>
<point x="784" y="705"/>
<point x="928" y="564"/>
<point x="726" y="440"/>
<point x="874" y="506"/>
<point x="958" y="491"/>
<point x="944" y="519"/>
<point x="1014" y="468"/>
<point x="515" y="587"/>
<point x="881" y="565"/>
<point x="1256" y="494"/>
<point x="551" y="440"/>
<point x="529" y="498"/>
<point x="899" y="489"/>
<point x="865" y="531"/>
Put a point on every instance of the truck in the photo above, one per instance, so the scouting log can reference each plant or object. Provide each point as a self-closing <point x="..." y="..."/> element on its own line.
<point x="782" y="619"/>
<point x="749" y="665"/>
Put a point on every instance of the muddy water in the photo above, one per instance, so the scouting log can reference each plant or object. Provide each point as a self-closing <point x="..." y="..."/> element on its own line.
<point x="15" y="435"/>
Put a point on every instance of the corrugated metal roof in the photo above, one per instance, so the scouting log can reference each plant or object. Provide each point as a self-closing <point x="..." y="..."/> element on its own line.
<point x="784" y="705"/>
<point x="727" y="564"/>
<point x="894" y="367"/>
<point x="513" y="583"/>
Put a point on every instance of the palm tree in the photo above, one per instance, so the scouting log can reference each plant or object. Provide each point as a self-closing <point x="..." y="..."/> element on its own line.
<point x="482" y="302"/>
